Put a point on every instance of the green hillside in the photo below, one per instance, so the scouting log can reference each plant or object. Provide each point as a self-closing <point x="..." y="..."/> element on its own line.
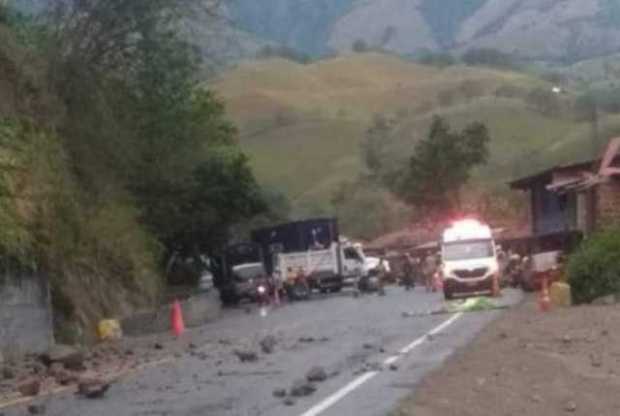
<point x="302" y="124"/>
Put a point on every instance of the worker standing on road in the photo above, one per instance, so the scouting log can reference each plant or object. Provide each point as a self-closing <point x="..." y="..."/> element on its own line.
<point x="384" y="270"/>
<point x="430" y="267"/>
<point x="409" y="272"/>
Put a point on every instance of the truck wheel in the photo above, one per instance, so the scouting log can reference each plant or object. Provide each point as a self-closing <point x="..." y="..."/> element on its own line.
<point x="299" y="291"/>
<point x="447" y="294"/>
<point x="229" y="297"/>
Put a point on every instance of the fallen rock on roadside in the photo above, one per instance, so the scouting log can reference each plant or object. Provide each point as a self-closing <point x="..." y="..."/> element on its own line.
<point x="29" y="388"/>
<point x="8" y="373"/>
<point x="279" y="393"/>
<point x="92" y="389"/>
<point x="71" y="358"/>
<point x="246" y="356"/>
<point x="268" y="344"/>
<point x="34" y="409"/>
<point x="316" y="374"/>
<point x="302" y="388"/>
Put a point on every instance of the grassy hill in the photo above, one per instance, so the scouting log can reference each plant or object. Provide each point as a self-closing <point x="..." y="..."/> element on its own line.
<point x="302" y="124"/>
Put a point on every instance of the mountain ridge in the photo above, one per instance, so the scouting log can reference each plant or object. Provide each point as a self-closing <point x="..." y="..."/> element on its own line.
<point x="567" y="30"/>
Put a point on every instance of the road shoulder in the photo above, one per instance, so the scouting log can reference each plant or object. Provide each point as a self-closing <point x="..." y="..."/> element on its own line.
<point x="526" y="362"/>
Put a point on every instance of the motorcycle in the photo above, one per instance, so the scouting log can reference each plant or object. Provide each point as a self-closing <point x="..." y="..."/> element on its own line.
<point x="264" y="292"/>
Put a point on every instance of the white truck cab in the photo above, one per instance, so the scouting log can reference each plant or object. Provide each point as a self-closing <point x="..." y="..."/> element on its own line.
<point x="469" y="259"/>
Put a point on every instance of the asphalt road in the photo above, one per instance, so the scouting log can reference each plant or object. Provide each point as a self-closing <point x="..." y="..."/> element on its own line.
<point x="356" y="340"/>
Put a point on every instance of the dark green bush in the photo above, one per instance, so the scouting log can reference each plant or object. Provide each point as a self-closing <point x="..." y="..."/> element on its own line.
<point x="594" y="270"/>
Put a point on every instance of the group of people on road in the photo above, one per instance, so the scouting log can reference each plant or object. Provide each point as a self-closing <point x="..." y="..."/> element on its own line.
<point x="420" y="270"/>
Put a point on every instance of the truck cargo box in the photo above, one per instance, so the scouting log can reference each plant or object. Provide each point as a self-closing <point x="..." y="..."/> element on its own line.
<point x="295" y="237"/>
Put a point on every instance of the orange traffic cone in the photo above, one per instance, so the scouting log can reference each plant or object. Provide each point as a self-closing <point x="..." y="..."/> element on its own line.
<point x="544" y="300"/>
<point x="178" y="326"/>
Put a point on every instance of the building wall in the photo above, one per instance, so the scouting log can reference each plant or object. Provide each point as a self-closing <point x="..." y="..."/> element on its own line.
<point x="552" y="213"/>
<point x="608" y="206"/>
<point x="25" y="314"/>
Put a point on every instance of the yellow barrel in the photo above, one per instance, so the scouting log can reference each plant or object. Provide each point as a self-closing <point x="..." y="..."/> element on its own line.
<point x="560" y="294"/>
<point x="109" y="329"/>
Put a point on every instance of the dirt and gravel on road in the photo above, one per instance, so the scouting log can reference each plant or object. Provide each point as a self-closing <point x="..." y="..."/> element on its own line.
<point x="529" y="363"/>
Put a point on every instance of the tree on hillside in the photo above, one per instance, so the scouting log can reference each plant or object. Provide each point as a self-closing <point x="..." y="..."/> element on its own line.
<point x="373" y="146"/>
<point x="360" y="46"/>
<point x="441" y="164"/>
<point x="488" y="57"/>
<point x="137" y="116"/>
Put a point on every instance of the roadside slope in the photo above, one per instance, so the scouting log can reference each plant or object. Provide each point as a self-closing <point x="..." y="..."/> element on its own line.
<point x="531" y="364"/>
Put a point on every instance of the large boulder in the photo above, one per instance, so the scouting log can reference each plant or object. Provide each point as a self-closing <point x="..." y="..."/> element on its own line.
<point x="71" y="358"/>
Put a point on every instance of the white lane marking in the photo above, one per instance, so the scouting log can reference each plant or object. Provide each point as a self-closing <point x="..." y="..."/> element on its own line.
<point x="364" y="378"/>
<point x="336" y="397"/>
<point x="391" y="360"/>
<point x="446" y="324"/>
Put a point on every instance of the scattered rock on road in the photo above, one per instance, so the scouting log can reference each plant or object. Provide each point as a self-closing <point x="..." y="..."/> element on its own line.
<point x="71" y="358"/>
<point x="34" y="409"/>
<point x="570" y="407"/>
<point x="268" y="344"/>
<point x="393" y="367"/>
<point x="246" y="356"/>
<point x="158" y="346"/>
<point x="8" y="373"/>
<point x="29" y="388"/>
<point x="60" y="375"/>
<point x="316" y="374"/>
<point x="289" y="401"/>
<point x="92" y="389"/>
<point x="302" y="388"/>
<point x="306" y="340"/>
<point x="280" y="393"/>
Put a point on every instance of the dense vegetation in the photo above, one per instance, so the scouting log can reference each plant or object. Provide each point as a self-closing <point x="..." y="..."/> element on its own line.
<point x="115" y="156"/>
<point x="594" y="270"/>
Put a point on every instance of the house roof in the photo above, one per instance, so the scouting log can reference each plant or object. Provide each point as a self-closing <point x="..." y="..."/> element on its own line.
<point x="591" y="172"/>
<point x="528" y="181"/>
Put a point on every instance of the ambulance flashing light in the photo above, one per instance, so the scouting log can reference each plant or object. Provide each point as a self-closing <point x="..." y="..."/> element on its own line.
<point x="467" y="230"/>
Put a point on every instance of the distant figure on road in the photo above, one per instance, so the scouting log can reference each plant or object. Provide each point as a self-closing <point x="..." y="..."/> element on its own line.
<point x="409" y="272"/>
<point x="384" y="270"/>
<point x="430" y="268"/>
